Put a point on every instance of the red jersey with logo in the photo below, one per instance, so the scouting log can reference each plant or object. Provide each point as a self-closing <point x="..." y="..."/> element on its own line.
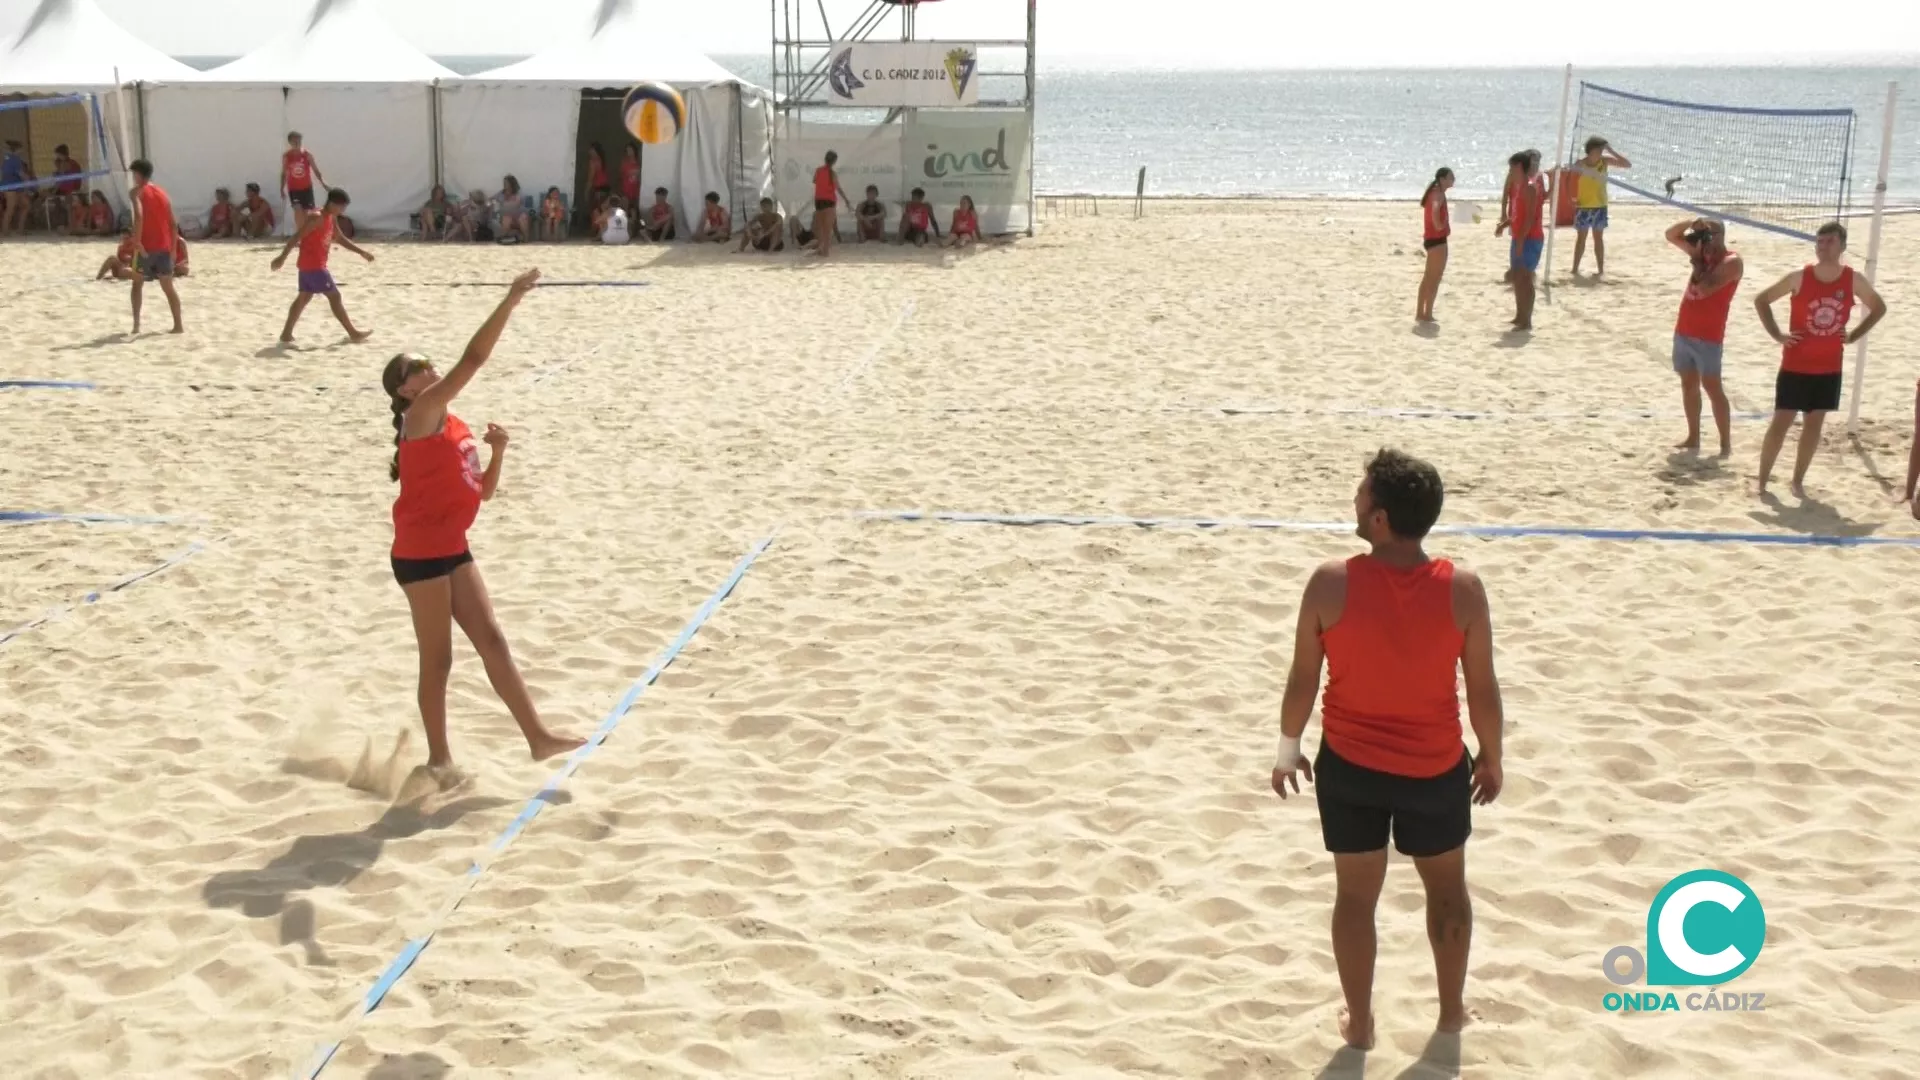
<point x="716" y="217"/>
<point x="630" y="182"/>
<point x="1704" y="317"/>
<point x="965" y="223"/>
<point x="662" y="213"/>
<point x="298" y="166"/>
<point x="316" y="245"/>
<point x="156" y="220"/>
<point x="1436" y="223"/>
<point x="439" y="493"/>
<point x="1392" y="702"/>
<point x="220" y="216"/>
<point x="825" y="189"/>
<point x="596" y="175"/>
<point x="916" y="216"/>
<point x="1820" y="313"/>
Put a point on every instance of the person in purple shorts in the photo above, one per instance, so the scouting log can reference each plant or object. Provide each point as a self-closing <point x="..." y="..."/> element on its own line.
<point x="315" y="239"/>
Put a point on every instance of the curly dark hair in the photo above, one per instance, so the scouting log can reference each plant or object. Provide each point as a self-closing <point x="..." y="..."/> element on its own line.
<point x="1408" y="490"/>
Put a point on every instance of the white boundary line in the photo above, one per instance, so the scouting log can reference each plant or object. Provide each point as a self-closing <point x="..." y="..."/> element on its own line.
<point x="866" y="360"/>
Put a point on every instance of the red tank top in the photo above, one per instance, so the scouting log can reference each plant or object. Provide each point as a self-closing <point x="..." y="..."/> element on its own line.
<point x="1392" y="701"/>
<point x="439" y="493"/>
<point x="1704" y="318"/>
<point x="1436" y="222"/>
<point x="630" y="181"/>
<point x="965" y="223"/>
<point x="315" y="245"/>
<point x="299" y="168"/>
<point x="823" y="184"/>
<point x="1820" y="313"/>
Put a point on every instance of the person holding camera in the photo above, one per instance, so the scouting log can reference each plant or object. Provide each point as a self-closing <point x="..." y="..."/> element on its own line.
<point x="1700" y="333"/>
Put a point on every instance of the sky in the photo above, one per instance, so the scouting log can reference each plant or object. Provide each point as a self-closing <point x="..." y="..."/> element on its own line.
<point x="1128" y="33"/>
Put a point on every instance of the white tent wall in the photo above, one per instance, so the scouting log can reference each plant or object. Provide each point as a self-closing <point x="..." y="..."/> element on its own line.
<point x="487" y="132"/>
<point x="753" y="162"/>
<point x="701" y="159"/>
<point x="373" y="140"/>
<point x="192" y="156"/>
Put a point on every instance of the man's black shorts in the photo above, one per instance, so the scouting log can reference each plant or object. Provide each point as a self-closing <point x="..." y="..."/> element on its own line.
<point x="1359" y="807"/>
<point x="301" y="197"/>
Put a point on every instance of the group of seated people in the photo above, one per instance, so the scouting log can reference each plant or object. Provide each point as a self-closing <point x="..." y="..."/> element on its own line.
<point x="506" y="217"/>
<point x="768" y="231"/>
<point x="65" y="205"/>
<point x="249" y="219"/>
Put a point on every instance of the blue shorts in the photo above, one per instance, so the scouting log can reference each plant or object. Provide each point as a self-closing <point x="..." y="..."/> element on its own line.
<point x="1595" y="219"/>
<point x="316" y="281"/>
<point x="1699" y="357"/>
<point x="155" y="265"/>
<point x="1526" y="254"/>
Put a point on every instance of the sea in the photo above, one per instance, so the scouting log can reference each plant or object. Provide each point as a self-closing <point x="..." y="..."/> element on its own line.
<point x="1371" y="134"/>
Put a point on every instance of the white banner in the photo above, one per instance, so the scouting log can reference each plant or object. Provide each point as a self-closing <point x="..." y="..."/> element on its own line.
<point x="915" y="74"/>
<point x="981" y="154"/>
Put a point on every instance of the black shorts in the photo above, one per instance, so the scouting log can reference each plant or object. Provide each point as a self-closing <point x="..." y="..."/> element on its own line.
<point x="411" y="571"/>
<point x="765" y="243"/>
<point x="1797" y="392"/>
<point x="1431" y="244"/>
<point x="804" y="236"/>
<point x="824" y="204"/>
<point x="301" y="197"/>
<point x="1360" y="806"/>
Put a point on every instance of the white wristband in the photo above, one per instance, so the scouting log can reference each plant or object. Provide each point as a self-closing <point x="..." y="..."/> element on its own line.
<point x="1289" y="756"/>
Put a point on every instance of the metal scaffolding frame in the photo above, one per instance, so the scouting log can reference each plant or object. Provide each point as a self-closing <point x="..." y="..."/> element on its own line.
<point x="803" y="36"/>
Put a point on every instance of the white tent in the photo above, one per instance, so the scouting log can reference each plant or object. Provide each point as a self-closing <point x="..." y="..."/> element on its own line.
<point x="70" y="45"/>
<point x="359" y="93"/>
<point x="526" y="118"/>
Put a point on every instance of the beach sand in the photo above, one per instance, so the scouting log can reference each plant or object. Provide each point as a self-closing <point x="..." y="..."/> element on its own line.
<point x="927" y="800"/>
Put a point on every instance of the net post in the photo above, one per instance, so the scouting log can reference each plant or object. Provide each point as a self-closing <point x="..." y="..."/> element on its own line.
<point x="1873" y="248"/>
<point x="1552" y="209"/>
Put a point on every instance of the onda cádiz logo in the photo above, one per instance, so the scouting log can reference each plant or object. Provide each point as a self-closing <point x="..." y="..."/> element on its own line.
<point x="1704" y="929"/>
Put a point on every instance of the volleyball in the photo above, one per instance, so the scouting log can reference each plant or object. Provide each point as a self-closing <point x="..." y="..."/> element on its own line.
<point x="654" y="113"/>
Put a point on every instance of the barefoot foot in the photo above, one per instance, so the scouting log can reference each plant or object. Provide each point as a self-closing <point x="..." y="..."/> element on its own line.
<point x="1358" y="1032"/>
<point x="548" y="745"/>
<point x="1799" y="489"/>
<point x="1451" y="1021"/>
<point x="1691" y="444"/>
<point x="359" y="336"/>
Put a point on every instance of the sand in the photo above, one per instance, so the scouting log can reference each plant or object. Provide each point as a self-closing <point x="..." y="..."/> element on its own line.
<point x="925" y="800"/>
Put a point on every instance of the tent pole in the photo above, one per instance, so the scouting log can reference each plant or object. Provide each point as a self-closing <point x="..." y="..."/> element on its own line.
<point x="1033" y="18"/>
<point x="140" y="96"/>
<point x="433" y="128"/>
<point x="1552" y="205"/>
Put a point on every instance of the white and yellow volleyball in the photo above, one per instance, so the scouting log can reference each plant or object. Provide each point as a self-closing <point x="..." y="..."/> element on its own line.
<point x="654" y="113"/>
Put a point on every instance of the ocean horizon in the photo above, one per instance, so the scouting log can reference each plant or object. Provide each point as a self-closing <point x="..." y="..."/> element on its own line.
<point x="1367" y="133"/>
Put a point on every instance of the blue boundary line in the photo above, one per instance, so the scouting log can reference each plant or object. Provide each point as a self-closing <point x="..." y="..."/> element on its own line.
<point x="37" y="517"/>
<point x="1739" y="109"/>
<point x="1505" y="531"/>
<point x="94" y="597"/>
<point x="44" y="384"/>
<point x="417" y="945"/>
<point x="51" y="182"/>
<point x="35" y="103"/>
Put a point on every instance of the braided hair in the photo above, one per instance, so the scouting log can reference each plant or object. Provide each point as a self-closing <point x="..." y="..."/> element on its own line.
<point x="399" y="425"/>
<point x="398" y="370"/>
<point x="1439" y="175"/>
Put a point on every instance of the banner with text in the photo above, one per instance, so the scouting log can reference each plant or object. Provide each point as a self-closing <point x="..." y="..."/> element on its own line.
<point x="982" y="154"/>
<point x="913" y="74"/>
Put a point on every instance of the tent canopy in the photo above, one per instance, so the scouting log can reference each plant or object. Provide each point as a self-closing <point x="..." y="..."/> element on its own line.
<point x="338" y="42"/>
<point x="614" y="49"/>
<point x="73" y="45"/>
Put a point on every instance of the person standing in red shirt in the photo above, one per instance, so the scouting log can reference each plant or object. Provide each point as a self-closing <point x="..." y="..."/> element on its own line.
<point x="1525" y="213"/>
<point x="1436" y="227"/>
<point x="315" y="239"/>
<point x="1393" y="626"/>
<point x="1813" y="350"/>
<point x="299" y="172"/>
<point x="441" y="488"/>
<point x="155" y="230"/>
<point x="1700" y="331"/>
<point x="827" y="197"/>
<point x="630" y="175"/>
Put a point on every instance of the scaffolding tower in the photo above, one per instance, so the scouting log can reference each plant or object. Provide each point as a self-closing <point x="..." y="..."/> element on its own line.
<point x="805" y="33"/>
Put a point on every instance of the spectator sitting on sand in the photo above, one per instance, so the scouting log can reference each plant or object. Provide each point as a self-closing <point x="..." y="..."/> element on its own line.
<point x="220" y="218"/>
<point x="435" y="214"/>
<point x="256" y="214"/>
<point x="613" y="226"/>
<point x="871" y="216"/>
<point x="716" y="225"/>
<point x="764" y="231"/>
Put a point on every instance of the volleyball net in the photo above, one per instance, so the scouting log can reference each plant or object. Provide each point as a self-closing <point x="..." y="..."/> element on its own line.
<point x="1782" y="170"/>
<point x="73" y="121"/>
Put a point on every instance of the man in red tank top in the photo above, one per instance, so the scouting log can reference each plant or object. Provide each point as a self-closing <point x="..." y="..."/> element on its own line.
<point x="1813" y="350"/>
<point x="1700" y="331"/>
<point x="299" y="172"/>
<point x="1393" y="626"/>
<point x="155" y="230"/>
